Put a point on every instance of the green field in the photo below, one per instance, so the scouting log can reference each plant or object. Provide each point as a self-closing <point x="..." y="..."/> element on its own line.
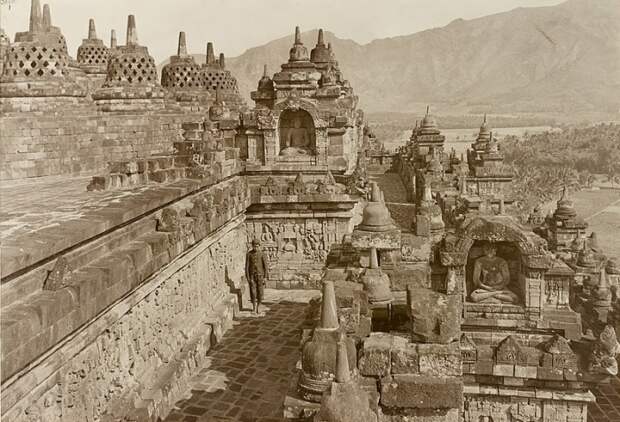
<point x="601" y="209"/>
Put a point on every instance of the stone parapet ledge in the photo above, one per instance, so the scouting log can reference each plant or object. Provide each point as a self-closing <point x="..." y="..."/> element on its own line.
<point x="207" y="313"/>
<point x="81" y="282"/>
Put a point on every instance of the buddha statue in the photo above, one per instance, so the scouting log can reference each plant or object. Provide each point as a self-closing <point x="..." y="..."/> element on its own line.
<point x="296" y="140"/>
<point x="491" y="278"/>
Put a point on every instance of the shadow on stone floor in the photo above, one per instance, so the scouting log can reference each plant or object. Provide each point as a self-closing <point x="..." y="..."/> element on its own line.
<point x="248" y="372"/>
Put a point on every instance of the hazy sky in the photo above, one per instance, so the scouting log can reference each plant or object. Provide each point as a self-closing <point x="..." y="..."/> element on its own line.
<point x="235" y="25"/>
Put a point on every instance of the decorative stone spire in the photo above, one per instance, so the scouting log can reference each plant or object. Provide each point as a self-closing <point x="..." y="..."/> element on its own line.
<point x="320" y="54"/>
<point x="36" y="23"/>
<point x="564" y="210"/>
<point x="343" y="374"/>
<point x="265" y="83"/>
<point x="132" y="33"/>
<point x="92" y="33"/>
<point x="210" y="54"/>
<point x="428" y="126"/>
<point x="222" y="61"/>
<point x="46" y="23"/>
<point x="297" y="35"/>
<point x="182" y="47"/>
<point x="113" y="42"/>
<point x="298" y="53"/>
<point x="329" y="314"/>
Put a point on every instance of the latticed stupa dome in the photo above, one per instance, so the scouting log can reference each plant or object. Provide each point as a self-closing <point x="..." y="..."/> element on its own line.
<point x="39" y="57"/>
<point x="38" y="53"/>
<point x="92" y="55"/>
<point x="131" y="77"/>
<point x="214" y="76"/>
<point x="182" y="72"/>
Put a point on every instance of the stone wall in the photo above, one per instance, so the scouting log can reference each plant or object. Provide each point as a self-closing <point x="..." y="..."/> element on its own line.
<point x="134" y="359"/>
<point x="82" y="143"/>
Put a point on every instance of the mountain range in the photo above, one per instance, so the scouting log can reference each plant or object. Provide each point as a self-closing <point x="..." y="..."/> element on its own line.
<point x="563" y="58"/>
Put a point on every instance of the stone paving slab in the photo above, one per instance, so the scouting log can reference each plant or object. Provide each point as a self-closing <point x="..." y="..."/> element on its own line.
<point x="247" y="374"/>
<point x="40" y="218"/>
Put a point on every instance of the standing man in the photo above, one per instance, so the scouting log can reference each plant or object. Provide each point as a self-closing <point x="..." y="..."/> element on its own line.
<point x="256" y="271"/>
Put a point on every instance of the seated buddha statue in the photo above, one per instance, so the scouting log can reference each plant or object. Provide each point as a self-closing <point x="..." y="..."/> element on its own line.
<point x="296" y="140"/>
<point x="491" y="278"/>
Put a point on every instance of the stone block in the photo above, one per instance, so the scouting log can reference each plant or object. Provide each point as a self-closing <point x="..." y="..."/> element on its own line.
<point x="421" y="392"/>
<point x="374" y="355"/>
<point x="435" y="316"/>
<point x="405" y="360"/>
<point x="440" y="360"/>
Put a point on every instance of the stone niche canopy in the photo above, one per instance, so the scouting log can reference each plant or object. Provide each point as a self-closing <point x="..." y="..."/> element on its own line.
<point x="296" y="133"/>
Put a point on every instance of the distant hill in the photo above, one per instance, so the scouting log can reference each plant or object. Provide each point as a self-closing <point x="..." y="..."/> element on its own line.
<point x="560" y="58"/>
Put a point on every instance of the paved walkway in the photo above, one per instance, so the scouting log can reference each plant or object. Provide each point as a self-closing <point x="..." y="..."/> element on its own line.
<point x="248" y="373"/>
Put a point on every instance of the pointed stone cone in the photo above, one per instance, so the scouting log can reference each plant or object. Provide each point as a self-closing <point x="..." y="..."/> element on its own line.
<point x="92" y="33"/>
<point x="265" y="75"/>
<point x="47" y="18"/>
<point x="428" y="193"/>
<point x="36" y="23"/>
<point x="485" y="118"/>
<point x="375" y="192"/>
<point x="428" y="109"/>
<point x="329" y="178"/>
<point x="374" y="258"/>
<point x="113" y="42"/>
<point x="603" y="284"/>
<point x="297" y="35"/>
<point x="222" y="61"/>
<point x="343" y="374"/>
<point x="593" y="241"/>
<point x="329" y="314"/>
<point x="182" y="47"/>
<point x="320" y="41"/>
<point x="210" y="54"/>
<point x="132" y="33"/>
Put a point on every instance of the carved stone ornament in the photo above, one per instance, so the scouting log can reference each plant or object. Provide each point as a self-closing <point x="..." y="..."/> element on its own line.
<point x="59" y="277"/>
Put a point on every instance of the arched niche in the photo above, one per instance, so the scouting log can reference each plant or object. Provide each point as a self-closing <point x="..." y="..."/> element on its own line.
<point x="505" y="253"/>
<point x="297" y="134"/>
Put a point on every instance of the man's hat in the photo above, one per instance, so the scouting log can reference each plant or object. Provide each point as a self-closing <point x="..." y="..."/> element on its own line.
<point x="255" y="242"/>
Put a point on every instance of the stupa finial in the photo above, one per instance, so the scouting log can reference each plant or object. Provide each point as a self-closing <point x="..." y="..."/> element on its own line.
<point x="297" y="35"/>
<point x="182" y="48"/>
<point x="222" y="61"/>
<point x="92" y="32"/>
<point x="210" y="54"/>
<point x="265" y="75"/>
<point x="47" y="18"/>
<point x="113" y="42"/>
<point x="36" y="23"/>
<point x="132" y="33"/>
<point x="343" y="374"/>
<point x="320" y="41"/>
<point x="329" y="315"/>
